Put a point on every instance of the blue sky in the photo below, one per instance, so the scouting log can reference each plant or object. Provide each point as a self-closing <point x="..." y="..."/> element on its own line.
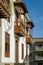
<point x="35" y="12"/>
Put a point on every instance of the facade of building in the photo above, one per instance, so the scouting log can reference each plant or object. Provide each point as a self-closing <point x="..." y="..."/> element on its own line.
<point x="36" y="52"/>
<point x="15" y="32"/>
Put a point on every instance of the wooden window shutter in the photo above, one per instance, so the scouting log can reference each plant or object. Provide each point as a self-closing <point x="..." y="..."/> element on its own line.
<point x="7" y="44"/>
<point x="22" y="51"/>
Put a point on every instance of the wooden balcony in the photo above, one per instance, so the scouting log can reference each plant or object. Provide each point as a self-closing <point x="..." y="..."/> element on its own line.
<point x="4" y="9"/>
<point x="28" y="38"/>
<point x="19" y="29"/>
<point x="30" y="24"/>
<point x="29" y="27"/>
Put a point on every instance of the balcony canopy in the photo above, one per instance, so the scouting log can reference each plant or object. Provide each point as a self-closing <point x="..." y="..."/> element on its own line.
<point x="30" y="24"/>
<point x="21" y="4"/>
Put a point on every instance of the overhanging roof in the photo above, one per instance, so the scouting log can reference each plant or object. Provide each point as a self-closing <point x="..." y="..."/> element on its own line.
<point x="22" y="4"/>
<point x="31" y="23"/>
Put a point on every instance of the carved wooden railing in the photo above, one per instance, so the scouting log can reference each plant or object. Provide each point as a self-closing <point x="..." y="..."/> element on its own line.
<point x="19" y="27"/>
<point x="28" y="38"/>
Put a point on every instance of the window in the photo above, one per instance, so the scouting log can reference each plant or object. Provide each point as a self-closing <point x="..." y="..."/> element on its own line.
<point x="17" y="15"/>
<point x="18" y="23"/>
<point x="23" y="19"/>
<point x="7" y="44"/>
<point x="39" y="63"/>
<point x="22" y="51"/>
<point x="16" y="52"/>
<point x="7" y="47"/>
<point x="39" y="45"/>
<point x="30" y="54"/>
<point x="30" y="32"/>
<point x="41" y="55"/>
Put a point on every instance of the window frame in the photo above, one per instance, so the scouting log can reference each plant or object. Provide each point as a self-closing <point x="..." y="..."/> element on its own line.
<point x="7" y="40"/>
<point x="22" y="51"/>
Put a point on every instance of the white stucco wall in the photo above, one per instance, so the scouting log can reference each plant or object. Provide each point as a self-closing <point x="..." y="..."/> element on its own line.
<point x="22" y="41"/>
<point x="11" y="59"/>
